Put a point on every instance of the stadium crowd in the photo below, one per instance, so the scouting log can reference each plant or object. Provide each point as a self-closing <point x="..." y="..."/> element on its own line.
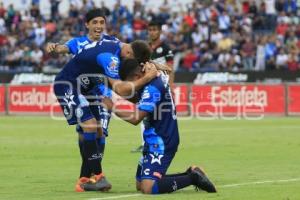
<point x="207" y="35"/>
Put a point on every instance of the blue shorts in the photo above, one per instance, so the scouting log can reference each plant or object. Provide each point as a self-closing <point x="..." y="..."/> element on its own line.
<point x="153" y="165"/>
<point x="78" y="108"/>
<point x="101" y="114"/>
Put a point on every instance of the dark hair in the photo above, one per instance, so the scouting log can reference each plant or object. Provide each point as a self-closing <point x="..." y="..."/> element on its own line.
<point x="128" y="67"/>
<point x="97" y="12"/>
<point x="155" y="23"/>
<point x="141" y="51"/>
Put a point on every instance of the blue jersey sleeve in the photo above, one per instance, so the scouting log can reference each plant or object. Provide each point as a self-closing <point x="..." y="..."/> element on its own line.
<point x="72" y="45"/>
<point x="110" y="64"/>
<point x="149" y="98"/>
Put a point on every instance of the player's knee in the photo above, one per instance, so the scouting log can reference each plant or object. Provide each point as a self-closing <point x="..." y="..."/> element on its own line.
<point x="89" y="125"/>
<point x="146" y="190"/>
<point x="146" y="186"/>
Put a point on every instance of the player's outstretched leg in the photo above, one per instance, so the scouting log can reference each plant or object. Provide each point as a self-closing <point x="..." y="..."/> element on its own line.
<point x="173" y="182"/>
<point x="200" y="180"/>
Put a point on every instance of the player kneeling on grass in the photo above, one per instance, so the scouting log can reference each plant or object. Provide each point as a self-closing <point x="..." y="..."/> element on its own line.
<point x="157" y="110"/>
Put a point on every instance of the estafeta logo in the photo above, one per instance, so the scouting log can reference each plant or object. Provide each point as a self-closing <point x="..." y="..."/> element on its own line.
<point x="242" y="97"/>
<point x="32" y="98"/>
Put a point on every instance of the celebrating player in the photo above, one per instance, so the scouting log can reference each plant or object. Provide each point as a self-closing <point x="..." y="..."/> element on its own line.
<point x="161" y="138"/>
<point x="161" y="54"/>
<point x="74" y="87"/>
<point x="96" y="25"/>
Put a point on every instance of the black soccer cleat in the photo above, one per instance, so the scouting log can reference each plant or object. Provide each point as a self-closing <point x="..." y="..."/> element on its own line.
<point x="201" y="181"/>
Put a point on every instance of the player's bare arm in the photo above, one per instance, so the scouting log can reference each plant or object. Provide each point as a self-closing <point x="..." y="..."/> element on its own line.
<point x="133" y="118"/>
<point x="128" y="88"/>
<point x="56" y="48"/>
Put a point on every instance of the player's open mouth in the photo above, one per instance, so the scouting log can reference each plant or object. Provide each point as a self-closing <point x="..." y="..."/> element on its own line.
<point x="98" y="31"/>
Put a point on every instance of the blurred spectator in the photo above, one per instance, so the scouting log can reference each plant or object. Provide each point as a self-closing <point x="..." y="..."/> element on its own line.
<point x="204" y="35"/>
<point x="36" y="58"/>
<point x="2" y="26"/>
<point x="40" y="34"/>
<point x="280" y="6"/>
<point x="293" y="62"/>
<point x="235" y="61"/>
<point x="14" y="56"/>
<point x="126" y="31"/>
<point x="139" y="26"/>
<point x="54" y="9"/>
<point x="189" y="59"/>
<point x="2" y="10"/>
<point x="35" y="11"/>
<point x="282" y="59"/>
<point x="216" y="36"/>
<point x="226" y="43"/>
<point x="290" y="6"/>
<point x="248" y="52"/>
<point x="224" y="22"/>
<point x="260" y="64"/>
<point x="223" y="60"/>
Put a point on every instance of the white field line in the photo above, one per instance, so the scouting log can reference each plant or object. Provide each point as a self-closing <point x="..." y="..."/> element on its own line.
<point x="221" y="186"/>
<point x="259" y="183"/>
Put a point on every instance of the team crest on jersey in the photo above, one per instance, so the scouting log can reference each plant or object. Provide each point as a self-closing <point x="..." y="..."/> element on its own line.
<point x="114" y="64"/>
<point x="110" y="63"/>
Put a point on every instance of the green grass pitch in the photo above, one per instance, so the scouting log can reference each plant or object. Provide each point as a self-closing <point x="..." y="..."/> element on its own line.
<point x="40" y="159"/>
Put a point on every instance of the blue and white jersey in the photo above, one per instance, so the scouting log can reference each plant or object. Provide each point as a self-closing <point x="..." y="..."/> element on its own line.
<point x="77" y="43"/>
<point x="102" y="57"/>
<point x="161" y="130"/>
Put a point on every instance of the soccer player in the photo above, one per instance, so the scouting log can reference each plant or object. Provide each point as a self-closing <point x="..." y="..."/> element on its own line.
<point x="74" y="87"/>
<point x="161" y="138"/>
<point x="96" y="25"/>
<point x="162" y="54"/>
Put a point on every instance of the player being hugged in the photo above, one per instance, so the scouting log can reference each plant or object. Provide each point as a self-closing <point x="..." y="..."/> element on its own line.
<point x="161" y="138"/>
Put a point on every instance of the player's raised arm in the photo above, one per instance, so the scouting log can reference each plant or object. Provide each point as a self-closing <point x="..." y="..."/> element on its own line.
<point x="56" y="48"/>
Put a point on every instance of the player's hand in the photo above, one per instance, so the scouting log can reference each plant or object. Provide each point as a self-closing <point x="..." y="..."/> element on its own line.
<point x="51" y="47"/>
<point x="163" y="67"/>
<point x="107" y="103"/>
<point x="150" y="70"/>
